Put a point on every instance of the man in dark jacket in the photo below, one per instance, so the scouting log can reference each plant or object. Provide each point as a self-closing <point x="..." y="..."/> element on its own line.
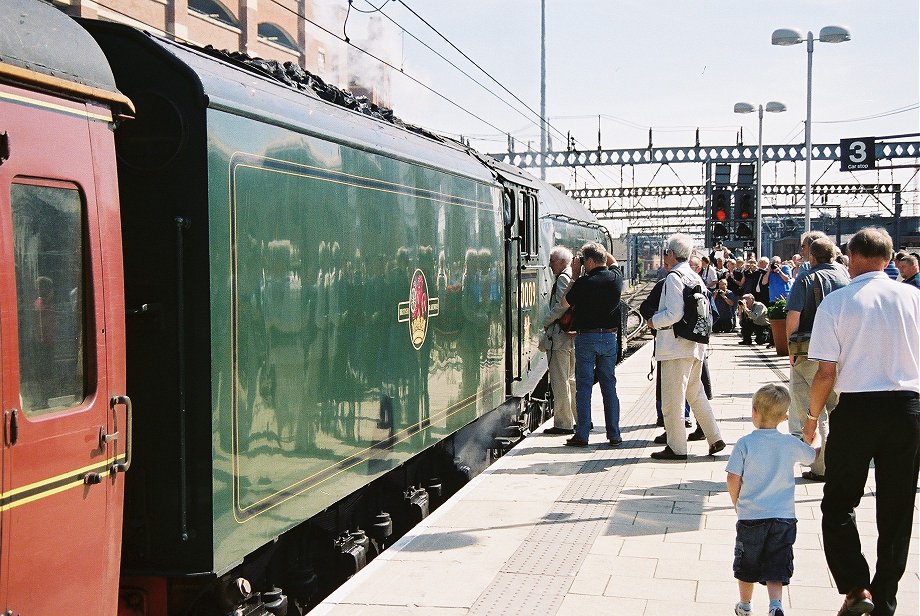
<point x="595" y="299"/>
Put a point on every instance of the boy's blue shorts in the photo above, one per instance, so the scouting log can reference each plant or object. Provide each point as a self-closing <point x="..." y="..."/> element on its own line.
<point x="763" y="550"/>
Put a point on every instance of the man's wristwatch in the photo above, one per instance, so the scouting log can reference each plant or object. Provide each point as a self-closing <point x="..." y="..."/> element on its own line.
<point x="812" y="417"/>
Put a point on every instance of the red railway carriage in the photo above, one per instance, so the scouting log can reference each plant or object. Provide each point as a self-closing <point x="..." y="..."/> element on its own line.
<point x="65" y="417"/>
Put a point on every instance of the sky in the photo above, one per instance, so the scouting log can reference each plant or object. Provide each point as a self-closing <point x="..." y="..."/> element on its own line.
<point x="669" y="65"/>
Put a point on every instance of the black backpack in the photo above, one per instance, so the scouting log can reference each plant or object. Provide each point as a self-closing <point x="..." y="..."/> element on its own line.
<point x="696" y="323"/>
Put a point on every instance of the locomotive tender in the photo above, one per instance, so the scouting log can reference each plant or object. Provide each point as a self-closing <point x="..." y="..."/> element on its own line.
<point x="238" y="320"/>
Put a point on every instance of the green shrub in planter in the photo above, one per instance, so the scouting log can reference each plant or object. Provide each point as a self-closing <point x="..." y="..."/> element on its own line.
<point x="778" y="310"/>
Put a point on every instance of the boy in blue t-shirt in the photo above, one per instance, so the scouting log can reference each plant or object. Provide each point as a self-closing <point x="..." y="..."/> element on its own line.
<point x="761" y="482"/>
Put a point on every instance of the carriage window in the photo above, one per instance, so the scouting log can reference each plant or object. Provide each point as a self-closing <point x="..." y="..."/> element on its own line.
<point x="535" y="224"/>
<point x="48" y="244"/>
<point x="529" y="225"/>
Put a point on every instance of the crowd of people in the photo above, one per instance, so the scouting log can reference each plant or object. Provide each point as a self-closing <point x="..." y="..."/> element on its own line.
<point x="851" y="399"/>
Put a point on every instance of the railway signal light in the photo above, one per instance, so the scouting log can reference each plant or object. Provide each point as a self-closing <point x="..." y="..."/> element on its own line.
<point x="743" y="231"/>
<point x="719" y="231"/>
<point x="744" y="204"/>
<point x="720" y="205"/>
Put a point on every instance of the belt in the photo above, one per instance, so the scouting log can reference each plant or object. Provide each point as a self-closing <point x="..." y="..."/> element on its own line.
<point x="598" y="331"/>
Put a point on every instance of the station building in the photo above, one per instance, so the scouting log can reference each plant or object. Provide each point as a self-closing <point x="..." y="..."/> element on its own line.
<point x="270" y="29"/>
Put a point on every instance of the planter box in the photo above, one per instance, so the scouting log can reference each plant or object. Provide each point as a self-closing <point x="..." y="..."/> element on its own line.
<point x="778" y="326"/>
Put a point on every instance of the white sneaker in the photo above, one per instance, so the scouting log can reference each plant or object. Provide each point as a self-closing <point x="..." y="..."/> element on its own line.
<point x="740" y="611"/>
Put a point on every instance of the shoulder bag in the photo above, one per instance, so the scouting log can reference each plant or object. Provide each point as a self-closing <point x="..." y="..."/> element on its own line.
<point x="798" y="341"/>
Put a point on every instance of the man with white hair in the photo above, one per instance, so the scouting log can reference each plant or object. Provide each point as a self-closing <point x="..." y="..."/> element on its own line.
<point x="560" y="346"/>
<point x="807" y="239"/>
<point x="681" y="359"/>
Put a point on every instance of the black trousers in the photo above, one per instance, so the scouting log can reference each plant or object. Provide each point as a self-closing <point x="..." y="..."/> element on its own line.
<point x="884" y="427"/>
<point x="760" y="333"/>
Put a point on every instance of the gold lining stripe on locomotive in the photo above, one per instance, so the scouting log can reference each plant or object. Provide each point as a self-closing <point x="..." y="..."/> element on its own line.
<point x="54" y="485"/>
<point x="310" y="172"/>
<point x="34" y="102"/>
<point x="26" y="76"/>
<point x="305" y="484"/>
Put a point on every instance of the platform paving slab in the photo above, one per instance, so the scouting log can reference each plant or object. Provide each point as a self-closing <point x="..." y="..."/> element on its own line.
<point x="550" y="529"/>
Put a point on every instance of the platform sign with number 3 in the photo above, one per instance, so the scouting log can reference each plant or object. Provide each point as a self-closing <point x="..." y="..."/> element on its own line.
<point x="857" y="154"/>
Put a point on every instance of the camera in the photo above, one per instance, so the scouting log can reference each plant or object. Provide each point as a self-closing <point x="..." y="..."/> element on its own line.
<point x="774" y="266"/>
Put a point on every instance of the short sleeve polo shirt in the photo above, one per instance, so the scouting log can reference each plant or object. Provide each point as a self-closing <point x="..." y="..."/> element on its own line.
<point x="870" y="329"/>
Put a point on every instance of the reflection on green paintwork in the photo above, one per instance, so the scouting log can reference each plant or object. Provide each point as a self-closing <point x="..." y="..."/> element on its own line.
<point x="318" y="385"/>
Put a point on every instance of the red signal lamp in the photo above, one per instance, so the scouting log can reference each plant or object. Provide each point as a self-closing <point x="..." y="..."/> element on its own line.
<point x="721" y="215"/>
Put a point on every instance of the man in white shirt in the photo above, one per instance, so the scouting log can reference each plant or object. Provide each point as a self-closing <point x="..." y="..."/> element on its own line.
<point x="709" y="274"/>
<point x="681" y="359"/>
<point x="866" y="340"/>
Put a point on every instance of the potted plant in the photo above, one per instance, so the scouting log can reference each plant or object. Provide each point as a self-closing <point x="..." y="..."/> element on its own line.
<point x="777" y="315"/>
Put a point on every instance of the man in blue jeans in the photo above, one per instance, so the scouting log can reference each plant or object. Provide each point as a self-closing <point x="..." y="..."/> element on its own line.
<point x="595" y="300"/>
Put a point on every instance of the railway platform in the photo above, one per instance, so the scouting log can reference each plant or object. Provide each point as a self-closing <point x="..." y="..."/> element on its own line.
<point x="550" y="529"/>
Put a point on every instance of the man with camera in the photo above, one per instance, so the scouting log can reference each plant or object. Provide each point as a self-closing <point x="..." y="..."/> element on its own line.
<point x="725" y="302"/>
<point x="595" y="299"/>
<point x="754" y="321"/>
<point x="777" y="279"/>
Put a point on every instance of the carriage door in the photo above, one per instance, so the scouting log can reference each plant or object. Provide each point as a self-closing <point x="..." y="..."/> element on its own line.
<point x="58" y="433"/>
<point x="511" y="205"/>
<point x="521" y="242"/>
<point x="529" y="269"/>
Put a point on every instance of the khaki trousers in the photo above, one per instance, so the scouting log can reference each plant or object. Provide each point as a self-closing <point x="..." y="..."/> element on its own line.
<point x="801" y="376"/>
<point x="562" y="380"/>
<point x="680" y="380"/>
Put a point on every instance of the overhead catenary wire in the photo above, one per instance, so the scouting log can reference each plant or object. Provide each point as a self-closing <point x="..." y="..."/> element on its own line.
<point x="335" y="36"/>
<point x="476" y="64"/>
<point x="387" y="64"/>
<point x="883" y="114"/>
<point x="467" y="75"/>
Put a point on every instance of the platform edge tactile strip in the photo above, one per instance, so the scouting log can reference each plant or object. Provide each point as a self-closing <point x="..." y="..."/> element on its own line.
<point x="555" y="549"/>
<point x="521" y="594"/>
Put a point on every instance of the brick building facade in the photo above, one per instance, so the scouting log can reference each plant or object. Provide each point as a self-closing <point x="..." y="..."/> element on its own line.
<point x="270" y="29"/>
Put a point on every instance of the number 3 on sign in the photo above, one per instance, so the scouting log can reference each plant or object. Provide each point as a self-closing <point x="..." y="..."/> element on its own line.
<point x="857" y="154"/>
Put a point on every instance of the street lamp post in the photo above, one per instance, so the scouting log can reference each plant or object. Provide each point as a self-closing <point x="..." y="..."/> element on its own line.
<point x="772" y="107"/>
<point x="787" y="36"/>
<point x="542" y="89"/>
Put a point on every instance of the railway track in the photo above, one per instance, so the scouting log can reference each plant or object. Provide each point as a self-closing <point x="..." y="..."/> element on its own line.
<point x="637" y="333"/>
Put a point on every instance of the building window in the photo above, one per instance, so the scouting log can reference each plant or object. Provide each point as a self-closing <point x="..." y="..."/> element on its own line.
<point x="215" y="10"/>
<point x="274" y="34"/>
<point x="321" y="61"/>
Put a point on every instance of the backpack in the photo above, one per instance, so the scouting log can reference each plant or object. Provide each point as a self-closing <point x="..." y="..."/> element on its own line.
<point x="696" y="323"/>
